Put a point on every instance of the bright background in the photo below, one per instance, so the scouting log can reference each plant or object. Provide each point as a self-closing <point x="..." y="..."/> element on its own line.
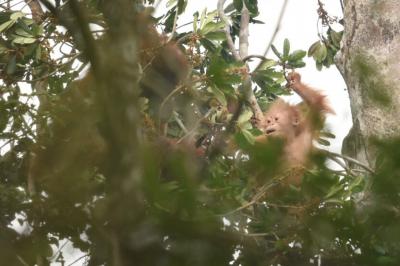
<point x="300" y="26"/>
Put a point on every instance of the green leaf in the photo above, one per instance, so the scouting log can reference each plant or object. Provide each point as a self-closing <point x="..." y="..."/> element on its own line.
<point x="318" y="65"/>
<point x="37" y="30"/>
<point x="6" y="25"/>
<point x="15" y="16"/>
<point x="313" y="48"/>
<point x="334" y="190"/>
<point x="323" y="142"/>
<point x="203" y="17"/>
<point x="252" y="5"/>
<point x="297" y="55"/>
<point x="212" y="27"/>
<point x="286" y="48"/>
<point x="321" y="53"/>
<point x="336" y="37"/>
<point x="3" y="49"/>
<point x="195" y="21"/>
<point x="238" y="4"/>
<point x="38" y="53"/>
<point x="268" y="63"/>
<point x="229" y="8"/>
<point x="216" y="36"/>
<point x="278" y="54"/>
<point x="4" y="116"/>
<point x="248" y="136"/>
<point x="297" y="64"/>
<point x="219" y="95"/>
<point x="23" y="33"/>
<point x="12" y="65"/>
<point x="24" y="40"/>
<point x="171" y="2"/>
<point x="210" y="17"/>
<point x="27" y="21"/>
<point x="356" y="183"/>
<point x="208" y="44"/>
<point x="181" y="6"/>
<point x="245" y="116"/>
<point x="326" y="134"/>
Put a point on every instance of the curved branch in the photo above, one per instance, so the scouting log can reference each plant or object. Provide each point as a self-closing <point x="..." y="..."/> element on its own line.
<point x="349" y="159"/>
<point x="261" y="57"/>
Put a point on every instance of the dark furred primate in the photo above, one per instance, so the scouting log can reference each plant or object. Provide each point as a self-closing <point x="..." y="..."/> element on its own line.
<point x="296" y="125"/>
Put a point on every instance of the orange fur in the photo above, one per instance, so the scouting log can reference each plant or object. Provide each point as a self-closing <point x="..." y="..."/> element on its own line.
<point x="298" y="125"/>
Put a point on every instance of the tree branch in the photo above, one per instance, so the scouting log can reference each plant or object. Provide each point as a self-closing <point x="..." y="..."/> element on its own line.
<point x="349" y="159"/>
<point x="231" y="45"/>
<point x="244" y="32"/>
<point x="277" y="28"/>
<point x="244" y="50"/>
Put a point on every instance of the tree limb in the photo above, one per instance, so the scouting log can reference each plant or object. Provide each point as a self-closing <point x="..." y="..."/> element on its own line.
<point x="229" y="40"/>
<point x="244" y="50"/>
<point x="349" y="159"/>
<point x="277" y="28"/>
<point x="244" y="32"/>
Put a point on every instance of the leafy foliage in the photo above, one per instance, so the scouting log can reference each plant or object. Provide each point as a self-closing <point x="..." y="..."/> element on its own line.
<point x="114" y="167"/>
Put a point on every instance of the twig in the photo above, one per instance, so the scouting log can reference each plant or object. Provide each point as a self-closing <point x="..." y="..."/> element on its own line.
<point x="180" y="123"/>
<point x="78" y="259"/>
<point x="186" y="24"/>
<point x="247" y="58"/>
<point x="259" y="194"/>
<point x="184" y="38"/>
<point x="196" y="125"/>
<point x="343" y="165"/>
<point x="346" y="158"/>
<point x="229" y="40"/>
<point x="22" y="260"/>
<point x="277" y="28"/>
<point x="166" y="99"/>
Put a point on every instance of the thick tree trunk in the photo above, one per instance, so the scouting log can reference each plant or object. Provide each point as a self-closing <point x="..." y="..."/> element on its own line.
<point x="369" y="63"/>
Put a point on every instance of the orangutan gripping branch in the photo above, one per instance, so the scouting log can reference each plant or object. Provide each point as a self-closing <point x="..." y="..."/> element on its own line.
<point x="296" y="125"/>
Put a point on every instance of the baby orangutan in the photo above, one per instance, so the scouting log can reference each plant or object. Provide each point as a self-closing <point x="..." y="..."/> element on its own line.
<point x="296" y="125"/>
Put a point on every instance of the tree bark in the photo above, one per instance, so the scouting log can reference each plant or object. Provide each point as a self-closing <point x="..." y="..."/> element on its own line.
<point x="369" y="63"/>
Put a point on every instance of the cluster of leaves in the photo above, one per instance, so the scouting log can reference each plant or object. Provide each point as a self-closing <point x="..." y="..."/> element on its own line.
<point x="323" y="52"/>
<point x="169" y="210"/>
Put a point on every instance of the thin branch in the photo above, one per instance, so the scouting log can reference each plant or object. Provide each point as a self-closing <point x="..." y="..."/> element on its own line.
<point x="196" y="125"/>
<point x="229" y="40"/>
<point x="169" y="96"/>
<point x="247" y="58"/>
<point x="260" y="193"/>
<point x="342" y="5"/>
<point x="78" y="259"/>
<point x="343" y="165"/>
<point x="349" y="159"/>
<point x="180" y="123"/>
<point x="277" y="28"/>
<point x="22" y="261"/>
